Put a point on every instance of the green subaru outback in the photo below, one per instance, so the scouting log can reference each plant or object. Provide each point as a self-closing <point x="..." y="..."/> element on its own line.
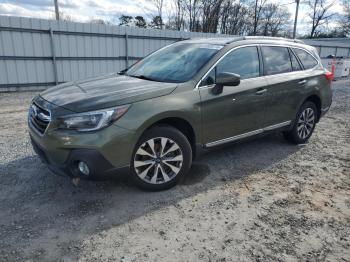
<point x="152" y="119"/>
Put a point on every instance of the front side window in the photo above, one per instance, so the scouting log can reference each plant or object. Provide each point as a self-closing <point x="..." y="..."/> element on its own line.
<point x="276" y="60"/>
<point x="242" y="61"/>
<point x="306" y="59"/>
<point x="176" y="63"/>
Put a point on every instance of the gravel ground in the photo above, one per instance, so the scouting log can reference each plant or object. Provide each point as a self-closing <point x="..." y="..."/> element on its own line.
<point x="262" y="200"/>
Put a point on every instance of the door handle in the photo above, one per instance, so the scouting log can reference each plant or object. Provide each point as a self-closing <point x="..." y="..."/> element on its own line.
<point x="301" y="82"/>
<point x="260" y="91"/>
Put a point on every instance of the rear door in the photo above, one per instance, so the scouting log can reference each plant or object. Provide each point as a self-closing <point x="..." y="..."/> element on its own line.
<point x="238" y="109"/>
<point x="282" y="71"/>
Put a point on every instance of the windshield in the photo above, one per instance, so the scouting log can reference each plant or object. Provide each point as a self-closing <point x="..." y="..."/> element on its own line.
<point x="175" y="63"/>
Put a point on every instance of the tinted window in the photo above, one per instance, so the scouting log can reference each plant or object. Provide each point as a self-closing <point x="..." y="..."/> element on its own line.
<point x="295" y="64"/>
<point x="306" y="59"/>
<point x="209" y="79"/>
<point x="243" y="61"/>
<point x="175" y="63"/>
<point x="276" y="60"/>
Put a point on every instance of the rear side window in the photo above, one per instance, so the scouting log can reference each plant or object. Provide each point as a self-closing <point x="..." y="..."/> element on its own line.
<point x="306" y="59"/>
<point x="276" y="60"/>
<point x="243" y="61"/>
<point x="295" y="64"/>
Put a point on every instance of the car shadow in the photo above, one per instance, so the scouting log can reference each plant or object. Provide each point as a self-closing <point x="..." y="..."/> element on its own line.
<point x="40" y="209"/>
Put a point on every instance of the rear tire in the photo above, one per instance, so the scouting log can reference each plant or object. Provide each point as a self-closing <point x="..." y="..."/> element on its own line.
<point x="162" y="156"/>
<point x="304" y="124"/>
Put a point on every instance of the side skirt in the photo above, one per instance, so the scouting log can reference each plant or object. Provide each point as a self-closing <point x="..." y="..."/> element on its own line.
<point x="248" y="134"/>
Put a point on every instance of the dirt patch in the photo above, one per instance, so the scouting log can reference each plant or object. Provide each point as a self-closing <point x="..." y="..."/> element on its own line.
<point x="256" y="201"/>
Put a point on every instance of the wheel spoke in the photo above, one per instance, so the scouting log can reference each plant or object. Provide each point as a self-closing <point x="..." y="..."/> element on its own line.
<point x="175" y="169"/>
<point x="309" y="125"/>
<point x="311" y="119"/>
<point x="302" y="132"/>
<point x="155" y="175"/>
<point x="144" y="173"/>
<point x="310" y="113"/>
<point x="171" y="149"/>
<point x="142" y="163"/>
<point x="172" y="159"/>
<point x="151" y="145"/>
<point x="165" y="176"/>
<point x="163" y="142"/>
<point x="305" y="132"/>
<point x="143" y="152"/>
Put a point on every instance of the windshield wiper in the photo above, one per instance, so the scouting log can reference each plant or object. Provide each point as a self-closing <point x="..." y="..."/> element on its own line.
<point x="144" y="77"/>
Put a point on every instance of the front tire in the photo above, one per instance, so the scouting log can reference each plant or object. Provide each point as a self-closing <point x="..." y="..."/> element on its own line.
<point x="304" y="124"/>
<point x="161" y="158"/>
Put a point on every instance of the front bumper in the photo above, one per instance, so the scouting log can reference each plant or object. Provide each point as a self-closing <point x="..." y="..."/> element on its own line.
<point x="98" y="165"/>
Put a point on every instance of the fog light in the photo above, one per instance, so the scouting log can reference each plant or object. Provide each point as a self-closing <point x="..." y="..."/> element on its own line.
<point x="83" y="168"/>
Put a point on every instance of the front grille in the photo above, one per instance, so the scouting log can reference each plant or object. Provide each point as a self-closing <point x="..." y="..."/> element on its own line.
<point x="39" y="118"/>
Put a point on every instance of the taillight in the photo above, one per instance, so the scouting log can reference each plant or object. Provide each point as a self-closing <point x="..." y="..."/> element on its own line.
<point x="329" y="76"/>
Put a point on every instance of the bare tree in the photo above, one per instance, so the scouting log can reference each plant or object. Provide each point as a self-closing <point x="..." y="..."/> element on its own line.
<point x="126" y="20"/>
<point x="99" y="21"/>
<point x="140" y="21"/>
<point x="258" y="5"/>
<point x="319" y="14"/>
<point x="65" y="17"/>
<point x="345" y="19"/>
<point x="159" y="6"/>
<point x="274" y="20"/>
<point x="176" y="15"/>
<point x="234" y="17"/>
<point x="193" y="8"/>
<point x="156" y="22"/>
<point x="210" y="15"/>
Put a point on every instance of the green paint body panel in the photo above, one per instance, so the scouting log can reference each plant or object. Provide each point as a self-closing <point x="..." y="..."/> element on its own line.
<point x="235" y="111"/>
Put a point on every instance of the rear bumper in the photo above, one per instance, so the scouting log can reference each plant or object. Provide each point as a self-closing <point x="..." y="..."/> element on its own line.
<point x="324" y="110"/>
<point x="98" y="165"/>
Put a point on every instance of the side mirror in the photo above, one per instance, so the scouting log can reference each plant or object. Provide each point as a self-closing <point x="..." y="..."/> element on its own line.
<point x="228" y="79"/>
<point x="225" y="79"/>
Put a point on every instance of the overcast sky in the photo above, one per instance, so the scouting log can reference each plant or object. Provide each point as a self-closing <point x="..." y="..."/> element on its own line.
<point x="110" y="10"/>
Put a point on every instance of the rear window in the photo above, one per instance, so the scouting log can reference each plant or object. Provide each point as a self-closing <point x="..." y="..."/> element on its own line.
<point x="276" y="60"/>
<point x="306" y="59"/>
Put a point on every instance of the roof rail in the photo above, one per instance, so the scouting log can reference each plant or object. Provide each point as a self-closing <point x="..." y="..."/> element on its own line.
<point x="265" y="38"/>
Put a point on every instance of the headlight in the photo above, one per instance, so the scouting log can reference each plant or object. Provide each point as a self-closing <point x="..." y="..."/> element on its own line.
<point x="91" y="121"/>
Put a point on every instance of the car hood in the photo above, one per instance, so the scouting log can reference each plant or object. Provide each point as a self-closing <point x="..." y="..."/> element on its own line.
<point x="104" y="92"/>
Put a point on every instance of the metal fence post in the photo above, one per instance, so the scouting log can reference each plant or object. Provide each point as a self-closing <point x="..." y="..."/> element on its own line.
<point x="126" y="50"/>
<point x="53" y="52"/>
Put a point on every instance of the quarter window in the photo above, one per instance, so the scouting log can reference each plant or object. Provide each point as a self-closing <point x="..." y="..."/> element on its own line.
<point x="295" y="64"/>
<point x="306" y="59"/>
<point x="276" y="60"/>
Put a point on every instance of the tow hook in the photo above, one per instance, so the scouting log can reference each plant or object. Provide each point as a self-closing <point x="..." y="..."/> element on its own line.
<point x="76" y="180"/>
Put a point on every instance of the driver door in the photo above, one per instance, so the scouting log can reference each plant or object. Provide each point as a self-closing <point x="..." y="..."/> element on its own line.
<point x="238" y="111"/>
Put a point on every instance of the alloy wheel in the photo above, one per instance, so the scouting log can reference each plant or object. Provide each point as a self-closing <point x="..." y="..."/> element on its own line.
<point x="158" y="160"/>
<point x="306" y="123"/>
